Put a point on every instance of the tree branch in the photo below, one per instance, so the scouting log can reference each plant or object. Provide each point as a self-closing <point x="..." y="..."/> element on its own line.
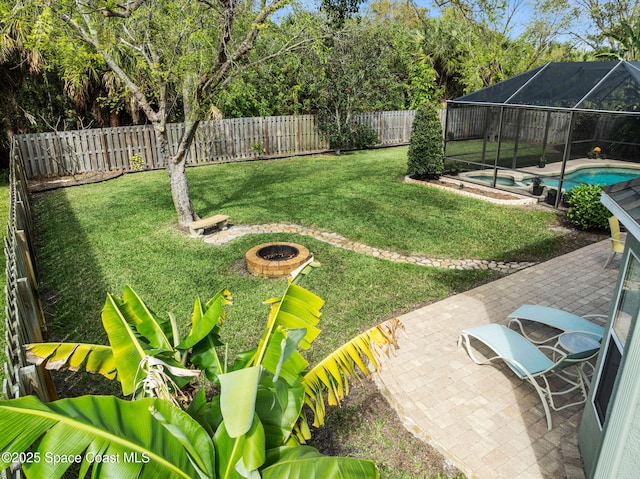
<point x="89" y="37"/>
<point x="218" y="76"/>
<point x="283" y="50"/>
<point x="124" y="11"/>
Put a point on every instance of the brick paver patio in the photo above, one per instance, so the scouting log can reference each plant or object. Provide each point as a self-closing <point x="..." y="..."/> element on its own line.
<point x="485" y="420"/>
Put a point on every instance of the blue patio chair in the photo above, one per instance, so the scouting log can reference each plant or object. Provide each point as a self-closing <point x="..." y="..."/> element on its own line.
<point x="558" y="319"/>
<point x="531" y="364"/>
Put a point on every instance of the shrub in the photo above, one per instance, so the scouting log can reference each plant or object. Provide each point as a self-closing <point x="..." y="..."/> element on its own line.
<point x="585" y="210"/>
<point x="345" y="135"/>
<point x="363" y="136"/>
<point x="426" y="146"/>
<point x="136" y="162"/>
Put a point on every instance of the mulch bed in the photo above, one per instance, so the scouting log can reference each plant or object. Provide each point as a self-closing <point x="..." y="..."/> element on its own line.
<point x="497" y="194"/>
<point x="44" y="184"/>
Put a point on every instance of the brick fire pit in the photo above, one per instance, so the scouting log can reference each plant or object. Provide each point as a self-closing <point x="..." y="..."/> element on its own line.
<point x="276" y="260"/>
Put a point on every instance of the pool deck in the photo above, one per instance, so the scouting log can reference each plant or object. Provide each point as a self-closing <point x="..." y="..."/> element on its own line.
<point x="484" y="419"/>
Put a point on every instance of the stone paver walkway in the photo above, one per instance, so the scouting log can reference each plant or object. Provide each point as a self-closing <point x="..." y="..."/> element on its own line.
<point x="340" y="241"/>
<point x="487" y="422"/>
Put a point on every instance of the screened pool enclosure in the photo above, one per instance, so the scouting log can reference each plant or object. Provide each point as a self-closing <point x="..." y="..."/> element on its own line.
<point x="567" y="123"/>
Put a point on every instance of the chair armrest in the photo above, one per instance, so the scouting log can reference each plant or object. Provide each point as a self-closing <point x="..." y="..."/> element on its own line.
<point x="555" y="350"/>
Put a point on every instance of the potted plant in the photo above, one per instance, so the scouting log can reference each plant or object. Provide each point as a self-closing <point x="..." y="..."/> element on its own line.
<point x="542" y="162"/>
<point x="536" y="183"/>
<point x="552" y="194"/>
<point x="595" y="153"/>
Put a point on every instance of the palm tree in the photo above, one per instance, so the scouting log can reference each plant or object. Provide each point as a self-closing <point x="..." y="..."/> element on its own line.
<point x="627" y="41"/>
<point x="256" y="426"/>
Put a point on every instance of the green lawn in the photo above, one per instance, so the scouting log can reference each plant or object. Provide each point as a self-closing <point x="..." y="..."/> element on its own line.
<point x="98" y="238"/>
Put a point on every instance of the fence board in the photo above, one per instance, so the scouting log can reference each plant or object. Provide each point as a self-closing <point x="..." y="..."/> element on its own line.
<point x="236" y="139"/>
<point x="24" y="315"/>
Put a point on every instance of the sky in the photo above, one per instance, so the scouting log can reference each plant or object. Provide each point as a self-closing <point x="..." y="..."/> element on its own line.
<point x="518" y="24"/>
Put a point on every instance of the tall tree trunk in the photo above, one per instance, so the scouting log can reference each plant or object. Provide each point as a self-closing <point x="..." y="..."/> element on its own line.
<point x="177" y="179"/>
<point x="180" y="193"/>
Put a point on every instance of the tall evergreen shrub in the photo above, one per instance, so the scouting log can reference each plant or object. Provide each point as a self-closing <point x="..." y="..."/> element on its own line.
<point x="426" y="146"/>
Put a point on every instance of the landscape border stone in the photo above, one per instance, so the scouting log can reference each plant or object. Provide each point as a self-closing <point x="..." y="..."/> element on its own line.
<point x="340" y="241"/>
<point x="516" y="199"/>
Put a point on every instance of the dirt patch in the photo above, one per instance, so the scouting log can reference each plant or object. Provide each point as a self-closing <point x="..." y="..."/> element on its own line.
<point x="44" y="184"/>
<point x="573" y="238"/>
<point x="365" y="426"/>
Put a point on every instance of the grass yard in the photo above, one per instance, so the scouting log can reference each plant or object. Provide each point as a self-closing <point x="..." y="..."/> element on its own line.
<point x="95" y="239"/>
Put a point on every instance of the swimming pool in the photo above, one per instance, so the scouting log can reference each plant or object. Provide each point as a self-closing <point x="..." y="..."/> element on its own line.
<point x="501" y="180"/>
<point x="600" y="175"/>
<point x="593" y="175"/>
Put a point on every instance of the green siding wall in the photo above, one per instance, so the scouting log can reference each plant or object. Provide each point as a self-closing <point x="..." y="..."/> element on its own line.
<point x="615" y="452"/>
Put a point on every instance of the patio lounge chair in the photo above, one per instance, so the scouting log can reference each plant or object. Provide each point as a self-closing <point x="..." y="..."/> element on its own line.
<point x="617" y="244"/>
<point x="558" y="319"/>
<point x="530" y="363"/>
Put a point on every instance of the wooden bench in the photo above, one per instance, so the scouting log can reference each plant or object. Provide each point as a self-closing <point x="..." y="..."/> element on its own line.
<point x="218" y="221"/>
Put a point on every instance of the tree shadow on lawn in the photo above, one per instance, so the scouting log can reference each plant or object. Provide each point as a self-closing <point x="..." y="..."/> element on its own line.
<point x="72" y="287"/>
<point x="265" y="187"/>
<point x="570" y="239"/>
<point x="210" y="198"/>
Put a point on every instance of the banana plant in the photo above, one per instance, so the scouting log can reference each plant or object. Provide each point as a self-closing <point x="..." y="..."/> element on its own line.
<point x="136" y="333"/>
<point x="108" y="436"/>
<point x="148" y="438"/>
<point x="255" y="428"/>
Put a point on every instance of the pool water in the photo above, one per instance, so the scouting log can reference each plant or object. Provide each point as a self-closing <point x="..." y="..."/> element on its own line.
<point x="501" y="180"/>
<point x="593" y="176"/>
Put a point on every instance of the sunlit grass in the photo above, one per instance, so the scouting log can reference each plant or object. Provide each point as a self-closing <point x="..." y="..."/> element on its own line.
<point x="98" y="238"/>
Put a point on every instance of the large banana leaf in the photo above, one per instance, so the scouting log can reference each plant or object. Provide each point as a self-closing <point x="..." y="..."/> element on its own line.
<point x="281" y="357"/>
<point x="334" y="372"/>
<point x="297" y="308"/>
<point x="206" y="320"/>
<point x="148" y="438"/>
<point x="134" y="333"/>
<point x="238" y="391"/>
<point x="279" y="406"/>
<point x="95" y="357"/>
<point x="204" y="336"/>
<point x="240" y="457"/>
<point x="145" y="320"/>
<point x="304" y="462"/>
<point x="127" y="348"/>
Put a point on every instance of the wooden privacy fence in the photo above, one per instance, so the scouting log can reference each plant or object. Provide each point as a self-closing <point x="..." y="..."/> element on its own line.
<point x="239" y="139"/>
<point x="527" y="125"/>
<point x="24" y="316"/>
